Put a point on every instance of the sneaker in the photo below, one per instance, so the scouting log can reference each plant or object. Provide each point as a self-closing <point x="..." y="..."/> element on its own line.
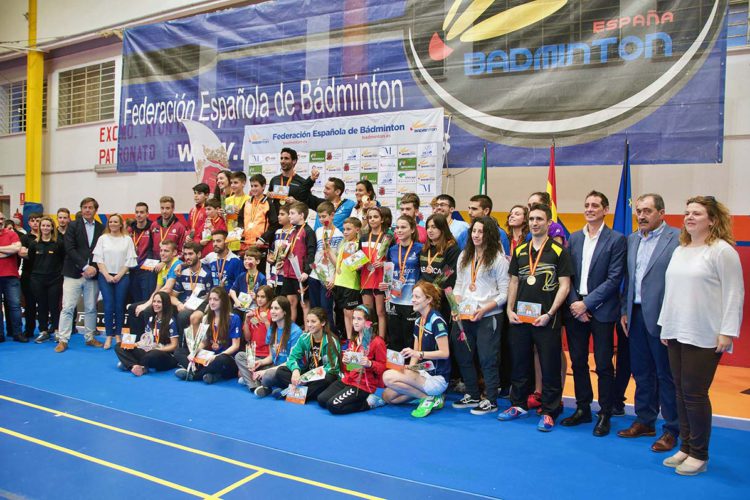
<point x="534" y="401"/>
<point x="512" y="413"/>
<point x="439" y="402"/>
<point x="485" y="406"/>
<point x="181" y="373"/>
<point x="122" y="366"/>
<point x="277" y="393"/>
<point x="61" y="347"/>
<point x="262" y="391"/>
<point x="210" y="378"/>
<point x="43" y="337"/>
<point x="546" y="423"/>
<point x="375" y="401"/>
<point x="241" y="381"/>
<point x="466" y="402"/>
<point x="425" y="407"/>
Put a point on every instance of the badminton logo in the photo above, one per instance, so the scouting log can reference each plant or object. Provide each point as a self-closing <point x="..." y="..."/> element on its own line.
<point x="521" y="72"/>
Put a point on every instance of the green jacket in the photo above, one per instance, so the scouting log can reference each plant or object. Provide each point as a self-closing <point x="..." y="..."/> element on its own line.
<point x="301" y="356"/>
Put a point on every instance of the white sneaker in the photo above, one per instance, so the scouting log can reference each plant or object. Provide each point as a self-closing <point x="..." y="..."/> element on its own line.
<point x="485" y="407"/>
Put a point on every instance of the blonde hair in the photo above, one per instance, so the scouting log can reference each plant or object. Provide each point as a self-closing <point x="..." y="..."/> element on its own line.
<point x="122" y="224"/>
<point x="53" y="235"/>
<point x="718" y="213"/>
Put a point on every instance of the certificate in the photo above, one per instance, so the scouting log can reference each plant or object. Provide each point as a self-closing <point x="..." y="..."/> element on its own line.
<point x="149" y="264"/>
<point x="528" y="312"/>
<point x="394" y="360"/>
<point x="296" y="394"/>
<point x="128" y="341"/>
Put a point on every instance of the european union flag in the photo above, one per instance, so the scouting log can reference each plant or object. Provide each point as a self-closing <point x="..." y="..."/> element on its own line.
<point x="624" y="208"/>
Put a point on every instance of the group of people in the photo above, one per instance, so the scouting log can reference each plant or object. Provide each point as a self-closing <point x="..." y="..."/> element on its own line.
<point x="334" y="306"/>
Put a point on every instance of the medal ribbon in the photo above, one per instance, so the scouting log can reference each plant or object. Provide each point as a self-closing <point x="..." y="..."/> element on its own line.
<point x="475" y="265"/>
<point x="533" y="265"/>
<point x="431" y="259"/>
<point x="247" y="280"/>
<point x="161" y="234"/>
<point x="402" y="261"/>
<point x="316" y="359"/>
<point x="214" y="334"/>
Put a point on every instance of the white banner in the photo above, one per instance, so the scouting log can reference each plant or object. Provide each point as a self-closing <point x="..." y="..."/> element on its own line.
<point x="398" y="152"/>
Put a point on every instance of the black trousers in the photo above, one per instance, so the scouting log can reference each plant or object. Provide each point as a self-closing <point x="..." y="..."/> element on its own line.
<point x="505" y="360"/>
<point x="548" y="344"/>
<point x="622" y="369"/>
<point x="222" y="365"/>
<point x="158" y="360"/>
<point x="284" y="378"/>
<point x="340" y="399"/>
<point x="29" y="305"/>
<point x="693" y="370"/>
<point x="400" y="331"/>
<point x="137" y="324"/>
<point x="578" y="346"/>
<point x="483" y="339"/>
<point x="48" y="292"/>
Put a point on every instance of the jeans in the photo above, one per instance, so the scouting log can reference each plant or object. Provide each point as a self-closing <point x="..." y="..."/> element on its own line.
<point x="693" y="370"/>
<point x="320" y="296"/>
<point x="654" y="387"/>
<point x="113" y="296"/>
<point x="72" y="290"/>
<point x="483" y="338"/>
<point x="10" y="289"/>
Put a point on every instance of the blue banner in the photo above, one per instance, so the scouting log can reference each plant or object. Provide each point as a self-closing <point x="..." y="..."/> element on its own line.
<point x="514" y="75"/>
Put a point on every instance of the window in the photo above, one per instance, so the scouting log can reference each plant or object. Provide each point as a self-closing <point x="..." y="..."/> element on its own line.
<point x="13" y="107"/>
<point x="87" y="94"/>
<point x="737" y="25"/>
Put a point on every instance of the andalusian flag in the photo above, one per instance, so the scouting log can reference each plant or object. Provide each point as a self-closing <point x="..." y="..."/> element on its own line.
<point x="551" y="182"/>
<point x="483" y="175"/>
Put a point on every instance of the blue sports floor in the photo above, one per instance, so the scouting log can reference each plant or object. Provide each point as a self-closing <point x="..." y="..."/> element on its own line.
<point x="73" y="426"/>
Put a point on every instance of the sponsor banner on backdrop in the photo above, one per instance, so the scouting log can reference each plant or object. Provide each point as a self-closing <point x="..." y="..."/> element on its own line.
<point x="512" y="75"/>
<point x="389" y="163"/>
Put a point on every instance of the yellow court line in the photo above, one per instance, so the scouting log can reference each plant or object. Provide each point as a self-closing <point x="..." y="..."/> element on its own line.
<point x="235" y="485"/>
<point x="195" y="451"/>
<point x="105" y="463"/>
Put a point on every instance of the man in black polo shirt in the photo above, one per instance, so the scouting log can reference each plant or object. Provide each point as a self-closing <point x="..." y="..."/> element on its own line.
<point x="539" y="283"/>
<point x="299" y="188"/>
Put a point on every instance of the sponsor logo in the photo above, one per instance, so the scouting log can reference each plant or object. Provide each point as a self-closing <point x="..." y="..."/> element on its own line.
<point x="524" y="73"/>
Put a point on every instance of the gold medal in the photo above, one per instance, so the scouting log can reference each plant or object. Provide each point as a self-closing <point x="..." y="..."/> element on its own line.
<point x="214" y="346"/>
<point x="282" y="202"/>
<point x="473" y="287"/>
<point x="429" y="270"/>
<point x="531" y="280"/>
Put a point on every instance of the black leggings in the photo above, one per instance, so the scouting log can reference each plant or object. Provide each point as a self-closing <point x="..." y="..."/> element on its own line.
<point x="223" y="365"/>
<point x="341" y="399"/>
<point x="284" y="378"/>
<point x="48" y="292"/>
<point x="158" y="360"/>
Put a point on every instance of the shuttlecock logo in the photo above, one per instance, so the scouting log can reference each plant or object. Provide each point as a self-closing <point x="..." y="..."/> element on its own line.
<point x="460" y="25"/>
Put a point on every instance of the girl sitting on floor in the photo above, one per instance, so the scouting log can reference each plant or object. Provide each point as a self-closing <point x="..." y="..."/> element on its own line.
<point x="222" y="339"/>
<point x="282" y="336"/>
<point x="428" y="383"/>
<point x="255" y="330"/>
<point x="356" y="392"/>
<point x="157" y="350"/>
<point x="317" y="347"/>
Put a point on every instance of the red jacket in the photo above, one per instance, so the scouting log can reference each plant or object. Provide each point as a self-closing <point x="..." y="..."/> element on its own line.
<point x="370" y="378"/>
<point x="175" y="231"/>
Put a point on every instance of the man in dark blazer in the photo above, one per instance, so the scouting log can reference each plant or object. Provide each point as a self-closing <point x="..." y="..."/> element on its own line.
<point x="598" y="256"/>
<point x="649" y="252"/>
<point x="79" y="274"/>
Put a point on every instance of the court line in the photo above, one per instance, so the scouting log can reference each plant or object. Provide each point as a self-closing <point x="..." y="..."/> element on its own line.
<point x="188" y="449"/>
<point x="105" y="463"/>
<point x="235" y="485"/>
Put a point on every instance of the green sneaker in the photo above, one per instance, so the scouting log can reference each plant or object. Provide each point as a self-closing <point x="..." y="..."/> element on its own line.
<point x="439" y="402"/>
<point x="424" y="408"/>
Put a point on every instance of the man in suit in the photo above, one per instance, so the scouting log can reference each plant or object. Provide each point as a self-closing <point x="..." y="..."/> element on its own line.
<point x="649" y="252"/>
<point x="79" y="274"/>
<point x="598" y="256"/>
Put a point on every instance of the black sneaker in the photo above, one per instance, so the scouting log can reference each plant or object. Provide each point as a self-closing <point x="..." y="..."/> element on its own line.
<point x="183" y="374"/>
<point x="210" y="378"/>
<point x="466" y="402"/>
<point x="485" y="406"/>
<point x="262" y="391"/>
